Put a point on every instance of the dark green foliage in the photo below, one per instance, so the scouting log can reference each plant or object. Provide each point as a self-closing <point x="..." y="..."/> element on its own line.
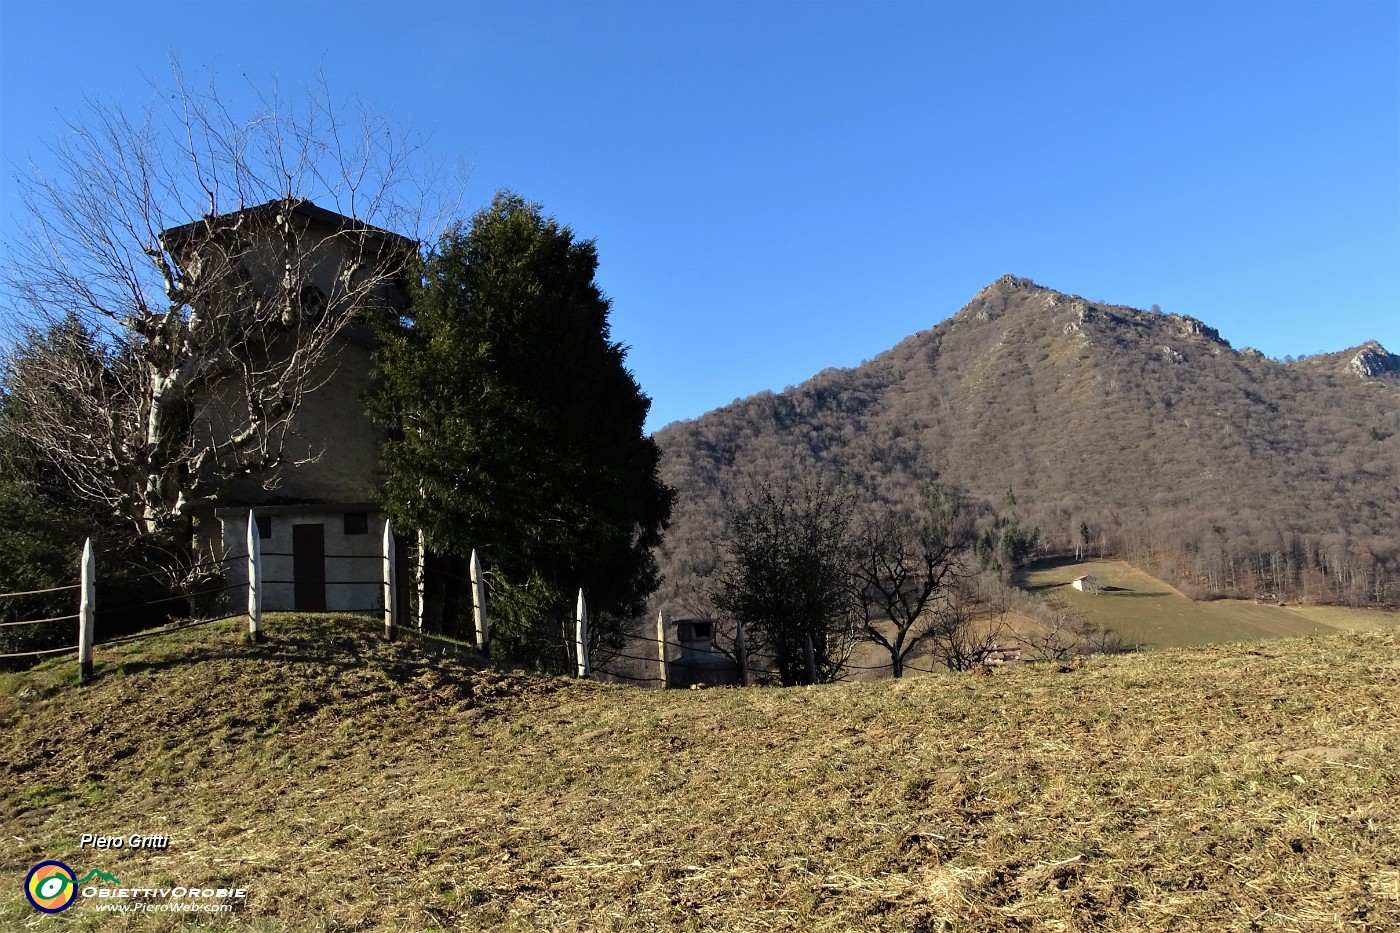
<point x="516" y="428"/>
<point x="38" y="554"/>
<point x="36" y="542"/>
<point x="1004" y="545"/>
<point x="46" y="511"/>
<point x="530" y="621"/>
<point x="787" y="576"/>
<point x="42" y="546"/>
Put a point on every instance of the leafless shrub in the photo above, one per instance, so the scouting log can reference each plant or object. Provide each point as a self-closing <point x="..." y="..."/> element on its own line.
<point x="1061" y="633"/>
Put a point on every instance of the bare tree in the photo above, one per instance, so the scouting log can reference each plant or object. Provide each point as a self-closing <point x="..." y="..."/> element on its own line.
<point x="1060" y="633"/>
<point x="1056" y="636"/>
<point x="905" y="570"/>
<point x="182" y="245"/>
<point x="955" y="636"/>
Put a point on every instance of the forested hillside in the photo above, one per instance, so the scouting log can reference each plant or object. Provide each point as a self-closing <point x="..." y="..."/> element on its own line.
<point x="1227" y="471"/>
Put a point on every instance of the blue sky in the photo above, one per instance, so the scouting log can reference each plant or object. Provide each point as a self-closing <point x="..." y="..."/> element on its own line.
<point x="776" y="188"/>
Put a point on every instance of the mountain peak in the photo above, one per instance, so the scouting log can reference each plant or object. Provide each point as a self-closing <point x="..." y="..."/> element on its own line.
<point x="1372" y="360"/>
<point x="1028" y="307"/>
<point x="1007" y="284"/>
<point x="1142" y="426"/>
<point x="1014" y="282"/>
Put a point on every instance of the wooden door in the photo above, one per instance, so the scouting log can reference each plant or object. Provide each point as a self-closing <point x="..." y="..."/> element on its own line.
<point x="309" y="568"/>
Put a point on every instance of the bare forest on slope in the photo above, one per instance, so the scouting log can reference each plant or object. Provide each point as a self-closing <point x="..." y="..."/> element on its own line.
<point x="1115" y="431"/>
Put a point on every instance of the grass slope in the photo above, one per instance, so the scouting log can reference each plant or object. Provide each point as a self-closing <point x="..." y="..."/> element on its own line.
<point x="348" y="785"/>
<point x="1145" y="610"/>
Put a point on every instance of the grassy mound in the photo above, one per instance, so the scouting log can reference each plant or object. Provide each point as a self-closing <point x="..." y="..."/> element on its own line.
<point x="347" y="784"/>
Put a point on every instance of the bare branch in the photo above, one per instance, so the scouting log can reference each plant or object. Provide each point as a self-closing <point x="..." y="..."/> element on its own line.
<point x="196" y="296"/>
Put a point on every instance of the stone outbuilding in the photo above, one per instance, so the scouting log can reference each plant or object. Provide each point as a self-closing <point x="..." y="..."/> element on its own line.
<point x="700" y="664"/>
<point x="1088" y="584"/>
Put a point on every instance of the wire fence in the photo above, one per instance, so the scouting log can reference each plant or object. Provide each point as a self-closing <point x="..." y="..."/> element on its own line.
<point x="268" y="581"/>
<point x="166" y="630"/>
<point x="48" y="620"/>
<point x="73" y="617"/>
<point x="52" y="589"/>
<point x="758" y="672"/>
<point x="757" y="666"/>
<point x="253" y="583"/>
<point x="39" y="652"/>
<point x="755" y="671"/>
<point x="178" y="597"/>
<point x="40" y="621"/>
<point x="174" y="573"/>
<point x="33" y="654"/>
<point x="367" y="557"/>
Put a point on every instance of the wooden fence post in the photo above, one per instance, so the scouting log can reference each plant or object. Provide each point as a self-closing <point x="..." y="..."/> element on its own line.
<point x="741" y="648"/>
<point x="87" y="607"/>
<point x="483" y="625"/>
<point x="422" y="580"/>
<point x="255" y="586"/>
<point x="810" y="656"/>
<point x="661" y="650"/>
<point x="390" y="591"/>
<point x="581" y="636"/>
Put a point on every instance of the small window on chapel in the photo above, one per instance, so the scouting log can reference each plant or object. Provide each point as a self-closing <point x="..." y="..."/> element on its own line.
<point x="264" y="526"/>
<point x="357" y="523"/>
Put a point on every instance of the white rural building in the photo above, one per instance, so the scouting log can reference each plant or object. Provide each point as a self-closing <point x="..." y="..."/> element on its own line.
<point x="321" y="532"/>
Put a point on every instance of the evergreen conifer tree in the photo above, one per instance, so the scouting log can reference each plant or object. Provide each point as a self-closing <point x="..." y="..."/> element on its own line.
<point x="516" y="428"/>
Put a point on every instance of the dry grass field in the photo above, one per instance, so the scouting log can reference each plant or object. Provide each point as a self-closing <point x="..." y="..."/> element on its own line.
<point x="1146" y="611"/>
<point x="348" y="784"/>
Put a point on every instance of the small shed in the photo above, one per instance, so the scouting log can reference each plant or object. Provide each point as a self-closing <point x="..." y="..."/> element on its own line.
<point x="1087" y="583"/>
<point x="699" y="663"/>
